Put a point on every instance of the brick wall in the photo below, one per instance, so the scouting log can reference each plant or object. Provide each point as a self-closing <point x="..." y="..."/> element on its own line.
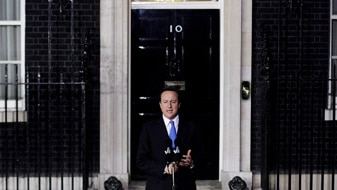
<point x="289" y="85"/>
<point x="62" y="130"/>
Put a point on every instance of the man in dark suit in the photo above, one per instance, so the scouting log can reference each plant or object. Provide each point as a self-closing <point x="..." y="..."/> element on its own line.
<point x="170" y="161"/>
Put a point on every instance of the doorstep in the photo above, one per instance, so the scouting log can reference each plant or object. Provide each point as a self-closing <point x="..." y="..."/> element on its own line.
<point x="201" y="185"/>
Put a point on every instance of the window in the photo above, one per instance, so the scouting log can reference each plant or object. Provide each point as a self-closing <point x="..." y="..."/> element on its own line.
<point x="333" y="63"/>
<point x="12" y="62"/>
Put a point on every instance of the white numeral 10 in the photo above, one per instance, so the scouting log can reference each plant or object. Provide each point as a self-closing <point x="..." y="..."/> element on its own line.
<point x="177" y="28"/>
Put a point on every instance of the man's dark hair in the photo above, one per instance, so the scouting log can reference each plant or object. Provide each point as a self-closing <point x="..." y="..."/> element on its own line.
<point x="169" y="88"/>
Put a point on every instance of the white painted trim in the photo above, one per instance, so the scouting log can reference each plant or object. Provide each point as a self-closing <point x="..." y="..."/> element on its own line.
<point x="10" y="62"/>
<point x="10" y="23"/>
<point x="221" y="88"/>
<point x="176" y="5"/>
<point x="23" y="53"/>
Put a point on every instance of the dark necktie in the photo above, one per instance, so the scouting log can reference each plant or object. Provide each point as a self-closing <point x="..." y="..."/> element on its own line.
<point x="173" y="133"/>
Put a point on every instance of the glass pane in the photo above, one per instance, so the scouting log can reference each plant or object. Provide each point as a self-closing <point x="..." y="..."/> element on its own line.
<point x="10" y="40"/>
<point x="334" y="5"/>
<point x="10" y="9"/>
<point x="2" y="80"/>
<point x="334" y="38"/>
<point x="334" y="71"/>
<point x="8" y="86"/>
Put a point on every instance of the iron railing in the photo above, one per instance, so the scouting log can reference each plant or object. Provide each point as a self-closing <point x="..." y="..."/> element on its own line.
<point x="46" y="147"/>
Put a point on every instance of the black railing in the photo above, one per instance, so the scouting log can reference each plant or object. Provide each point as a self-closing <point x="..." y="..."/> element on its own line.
<point x="43" y="137"/>
<point x="298" y="116"/>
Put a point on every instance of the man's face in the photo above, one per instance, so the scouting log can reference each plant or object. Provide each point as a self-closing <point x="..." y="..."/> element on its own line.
<point x="169" y="104"/>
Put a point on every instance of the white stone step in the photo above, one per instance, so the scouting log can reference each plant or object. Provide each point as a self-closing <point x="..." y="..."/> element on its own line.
<point x="201" y="185"/>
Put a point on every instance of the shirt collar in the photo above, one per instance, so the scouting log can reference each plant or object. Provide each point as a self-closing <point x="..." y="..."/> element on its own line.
<point x="167" y="121"/>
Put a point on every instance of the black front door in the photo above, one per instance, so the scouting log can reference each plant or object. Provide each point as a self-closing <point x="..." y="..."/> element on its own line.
<point x="177" y="48"/>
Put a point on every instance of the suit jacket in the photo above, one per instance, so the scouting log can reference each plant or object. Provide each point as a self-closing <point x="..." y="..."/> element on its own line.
<point x="151" y="158"/>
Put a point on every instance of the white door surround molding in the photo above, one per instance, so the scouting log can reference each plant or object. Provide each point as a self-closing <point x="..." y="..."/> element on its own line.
<point x="235" y="67"/>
